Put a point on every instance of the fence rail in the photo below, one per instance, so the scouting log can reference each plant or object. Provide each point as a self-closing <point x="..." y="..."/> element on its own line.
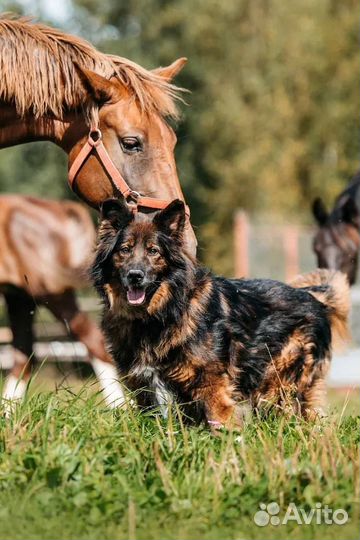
<point x="53" y="341"/>
<point x="270" y="250"/>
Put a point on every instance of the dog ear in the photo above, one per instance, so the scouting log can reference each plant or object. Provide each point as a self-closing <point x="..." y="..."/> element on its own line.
<point x="350" y="213"/>
<point x="116" y="213"/>
<point x="171" y="220"/>
<point x="114" y="217"/>
<point x="319" y="211"/>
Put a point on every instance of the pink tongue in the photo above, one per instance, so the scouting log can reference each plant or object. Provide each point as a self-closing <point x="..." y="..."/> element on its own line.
<point x="135" y="296"/>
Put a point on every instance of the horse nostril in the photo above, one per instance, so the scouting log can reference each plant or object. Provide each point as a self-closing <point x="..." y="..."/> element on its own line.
<point x="135" y="277"/>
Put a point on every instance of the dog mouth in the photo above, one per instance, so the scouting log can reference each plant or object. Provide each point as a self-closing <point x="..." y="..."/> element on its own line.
<point x="135" y="296"/>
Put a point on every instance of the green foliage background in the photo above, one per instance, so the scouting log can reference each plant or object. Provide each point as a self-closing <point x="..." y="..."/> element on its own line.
<point x="273" y="115"/>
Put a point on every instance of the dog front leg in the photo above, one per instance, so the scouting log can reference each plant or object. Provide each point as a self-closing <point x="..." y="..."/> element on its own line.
<point x="219" y="405"/>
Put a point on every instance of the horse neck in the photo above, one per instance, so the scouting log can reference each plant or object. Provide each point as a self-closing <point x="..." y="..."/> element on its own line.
<point x="15" y="130"/>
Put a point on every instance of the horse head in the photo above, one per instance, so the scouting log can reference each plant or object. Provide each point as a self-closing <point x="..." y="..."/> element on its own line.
<point x="337" y="240"/>
<point x="138" y="139"/>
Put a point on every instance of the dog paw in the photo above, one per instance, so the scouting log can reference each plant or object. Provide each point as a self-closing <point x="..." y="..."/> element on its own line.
<point x="216" y="427"/>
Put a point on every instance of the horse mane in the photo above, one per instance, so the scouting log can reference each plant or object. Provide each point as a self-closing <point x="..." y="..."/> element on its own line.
<point x="38" y="75"/>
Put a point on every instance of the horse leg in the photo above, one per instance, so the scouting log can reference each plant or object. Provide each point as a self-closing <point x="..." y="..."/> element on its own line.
<point x="65" y="308"/>
<point x="20" y="308"/>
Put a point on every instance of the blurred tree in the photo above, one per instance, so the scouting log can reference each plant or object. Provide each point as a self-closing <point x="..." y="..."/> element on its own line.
<point x="274" y="117"/>
<point x="34" y="169"/>
<point x="274" y="109"/>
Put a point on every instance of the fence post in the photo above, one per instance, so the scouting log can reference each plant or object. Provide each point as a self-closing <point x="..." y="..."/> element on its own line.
<point x="291" y="251"/>
<point x="241" y="244"/>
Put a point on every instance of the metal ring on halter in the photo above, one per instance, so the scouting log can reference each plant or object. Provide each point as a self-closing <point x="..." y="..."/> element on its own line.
<point x="132" y="199"/>
<point x="95" y="137"/>
<point x="134" y="195"/>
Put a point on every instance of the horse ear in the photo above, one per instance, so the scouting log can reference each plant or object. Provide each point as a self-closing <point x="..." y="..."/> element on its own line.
<point x="319" y="211"/>
<point x="350" y="212"/>
<point x="116" y="214"/>
<point x="100" y="89"/>
<point x="169" y="72"/>
<point x="171" y="220"/>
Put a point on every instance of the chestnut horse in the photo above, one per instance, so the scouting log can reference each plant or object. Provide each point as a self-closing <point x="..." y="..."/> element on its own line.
<point x="58" y="87"/>
<point x="337" y="241"/>
<point x="46" y="247"/>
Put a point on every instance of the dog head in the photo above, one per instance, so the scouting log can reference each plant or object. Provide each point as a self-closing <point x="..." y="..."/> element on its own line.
<point x="136" y="253"/>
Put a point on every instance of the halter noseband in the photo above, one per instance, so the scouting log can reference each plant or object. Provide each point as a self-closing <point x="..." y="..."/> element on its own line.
<point x="134" y="199"/>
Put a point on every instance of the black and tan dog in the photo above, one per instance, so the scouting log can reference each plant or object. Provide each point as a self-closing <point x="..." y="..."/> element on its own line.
<point x="210" y="342"/>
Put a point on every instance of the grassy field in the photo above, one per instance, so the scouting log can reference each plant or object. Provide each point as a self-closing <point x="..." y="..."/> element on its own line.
<point x="70" y="469"/>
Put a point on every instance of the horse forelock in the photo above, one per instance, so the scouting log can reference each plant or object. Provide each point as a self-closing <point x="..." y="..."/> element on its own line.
<point x="38" y="75"/>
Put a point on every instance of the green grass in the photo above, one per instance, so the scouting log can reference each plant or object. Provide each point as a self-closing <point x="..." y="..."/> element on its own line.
<point x="70" y="469"/>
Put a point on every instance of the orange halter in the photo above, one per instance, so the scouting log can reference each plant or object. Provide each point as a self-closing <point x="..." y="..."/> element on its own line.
<point x="133" y="198"/>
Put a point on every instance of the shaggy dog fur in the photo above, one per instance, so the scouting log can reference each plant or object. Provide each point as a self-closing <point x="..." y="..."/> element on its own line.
<point x="210" y="342"/>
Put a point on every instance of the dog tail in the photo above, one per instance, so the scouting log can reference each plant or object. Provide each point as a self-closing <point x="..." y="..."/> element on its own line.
<point x="332" y="289"/>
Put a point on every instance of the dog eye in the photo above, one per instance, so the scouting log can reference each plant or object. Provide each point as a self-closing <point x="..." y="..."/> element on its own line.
<point x="124" y="250"/>
<point x="153" y="251"/>
<point x="131" y="144"/>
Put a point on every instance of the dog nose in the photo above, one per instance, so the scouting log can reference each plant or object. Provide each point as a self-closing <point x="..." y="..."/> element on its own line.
<point x="135" y="277"/>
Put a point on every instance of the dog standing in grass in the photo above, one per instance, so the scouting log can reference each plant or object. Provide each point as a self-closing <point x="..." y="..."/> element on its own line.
<point x="207" y="342"/>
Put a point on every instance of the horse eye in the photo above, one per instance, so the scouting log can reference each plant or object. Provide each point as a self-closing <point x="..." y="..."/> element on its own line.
<point x="131" y="144"/>
<point x="124" y="250"/>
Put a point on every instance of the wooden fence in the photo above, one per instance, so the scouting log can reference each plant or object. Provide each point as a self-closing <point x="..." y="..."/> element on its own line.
<point x="53" y="341"/>
<point x="255" y="245"/>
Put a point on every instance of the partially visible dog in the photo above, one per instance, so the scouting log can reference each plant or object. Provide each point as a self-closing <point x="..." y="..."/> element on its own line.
<point x="210" y="342"/>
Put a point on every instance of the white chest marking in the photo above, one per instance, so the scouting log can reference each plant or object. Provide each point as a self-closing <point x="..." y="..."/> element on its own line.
<point x="157" y="385"/>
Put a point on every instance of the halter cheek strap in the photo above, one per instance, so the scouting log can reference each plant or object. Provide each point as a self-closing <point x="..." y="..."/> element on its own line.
<point x="95" y="145"/>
